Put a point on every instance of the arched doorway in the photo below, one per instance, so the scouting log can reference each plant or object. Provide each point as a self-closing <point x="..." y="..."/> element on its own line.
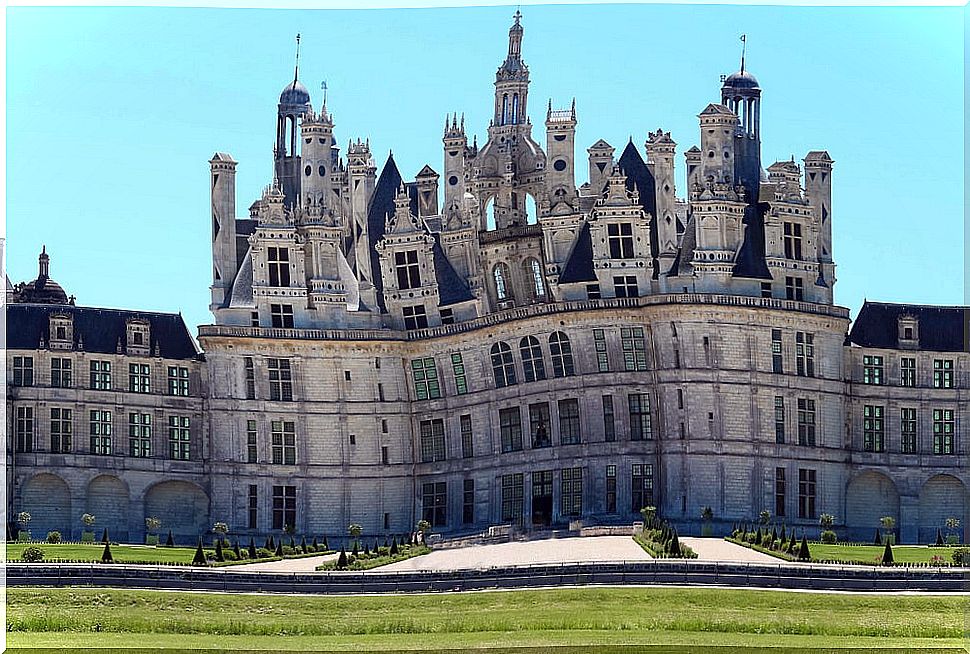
<point x="942" y="497"/>
<point x="869" y="496"/>
<point x="107" y="501"/>
<point x="182" y="507"/>
<point x="47" y="498"/>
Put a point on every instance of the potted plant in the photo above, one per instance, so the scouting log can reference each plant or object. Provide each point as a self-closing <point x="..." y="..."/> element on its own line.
<point x="707" y="515"/>
<point x="888" y="524"/>
<point x="220" y="529"/>
<point x="423" y="527"/>
<point x="151" y="525"/>
<point x="649" y="514"/>
<point x="23" y="535"/>
<point x="355" y="530"/>
<point x="828" y="535"/>
<point x="87" y="536"/>
<point x="952" y="528"/>
<point x="764" y="517"/>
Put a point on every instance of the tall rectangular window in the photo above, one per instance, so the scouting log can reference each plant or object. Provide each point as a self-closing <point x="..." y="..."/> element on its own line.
<point x="943" y="373"/>
<point x="458" y="368"/>
<point x="408" y="270"/>
<point x="139" y="378"/>
<point x="426" y="386"/>
<point x="873" y="370"/>
<point x="806" y="493"/>
<point x="25" y="429"/>
<point x="602" y="357"/>
<point x="415" y="317"/>
<point x="625" y="286"/>
<point x="611" y="489"/>
<point x="634" y="348"/>
<point x="794" y="289"/>
<point x="777" y="363"/>
<point x="468" y="502"/>
<point x="609" y="421"/>
<point x="943" y="431"/>
<point x="907" y="430"/>
<point x="533" y="368"/>
<point x="23" y="371"/>
<point x="806" y="421"/>
<point x="793" y="241"/>
<point x="569" y="428"/>
<point x="178" y="381"/>
<point x="620" y="237"/>
<point x="467" y="440"/>
<point x="873" y="429"/>
<point x="510" y="426"/>
<point x="572" y="491"/>
<point x="284" y="507"/>
<point x="100" y="431"/>
<point x="100" y="375"/>
<point x="779" y="419"/>
<point x="641" y="428"/>
<point x="779" y="492"/>
<point x="280" y="380"/>
<point x="278" y="260"/>
<point x="907" y="371"/>
<point x="140" y="435"/>
<point x="281" y="315"/>
<point x="434" y="503"/>
<point x="62" y="429"/>
<point x="253" y="506"/>
<point x="433" y="440"/>
<point x="641" y="486"/>
<point x="252" y="434"/>
<point x="250" y="374"/>
<point x="540" y="424"/>
<point x="179" y="438"/>
<point x="512" y="492"/>
<point x="60" y="373"/>
<point x="283" y="441"/>
<point x="805" y="354"/>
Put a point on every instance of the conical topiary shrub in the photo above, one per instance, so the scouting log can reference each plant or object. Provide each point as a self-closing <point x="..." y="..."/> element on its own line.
<point x="803" y="553"/>
<point x="394" y="549"/>
<point x="342" y="559"/>
<point x="355" y="552"/>
<point x="376" y="546"/>
<point x="783" y="536"/>
<point x="104" y="535"/>
<point x="219" y="555"/>
<point x="271" y="544"/>
<point x="252" y="548"/>
<point x="292" y="543"/>
<point x="887" y="554"/>
<point x="236" y="550"/>
<point x="939" y="538"/>
<point x="791" y="543"/>
<point x="279" y="548"/>
<point x="199" y="558"/>
<point x="170" y="541"/>
<point x="303" y="545"/>
<point x="673" y="549"/>
<point x="106" y="554"/>
<point x="366" y="549"/>
<point x="326" y="545"/>
<point x="316" y="546"/>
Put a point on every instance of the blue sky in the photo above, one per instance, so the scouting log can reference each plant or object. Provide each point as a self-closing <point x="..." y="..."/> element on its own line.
<point x="113" y="113"/>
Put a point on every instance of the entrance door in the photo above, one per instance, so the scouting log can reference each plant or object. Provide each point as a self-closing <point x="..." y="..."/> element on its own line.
<point x="542" y="498"/>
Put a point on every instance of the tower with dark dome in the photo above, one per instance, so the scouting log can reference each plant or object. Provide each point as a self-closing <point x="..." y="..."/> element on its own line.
<point x="42" y="290"/>
<point x="293" y="107"/>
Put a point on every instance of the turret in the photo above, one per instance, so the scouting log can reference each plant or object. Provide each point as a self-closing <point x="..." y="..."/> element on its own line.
<point x="223" y="199"/>
<point x="561" y="152"/>
<point x="293" y="106"/>
<point x="660" y="153"/>
<point x="455" y="145"/>
<point x="818" y="189"/>
<point x="317" y="160"/>
<point x="718" y="125"/>
<point x="600" y="165"/>
<point x="362" y="172"/>
<point x="512" y="82"/>
<point x="427" y="182"/>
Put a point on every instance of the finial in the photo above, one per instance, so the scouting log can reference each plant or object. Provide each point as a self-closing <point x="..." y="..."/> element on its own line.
<point x="43" y="262"/>
<point x="296" y="69"/>
<point x="744" y="43"/>
<point x="323" y="86"/>
<point x="518" y="14"/>
<point x="463" y="121"/>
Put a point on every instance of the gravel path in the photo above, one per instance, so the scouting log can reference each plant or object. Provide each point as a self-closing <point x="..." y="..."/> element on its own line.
<point x="718" y="549"/>
<point x="307" y="564"/>
<point x="556" y="550"/>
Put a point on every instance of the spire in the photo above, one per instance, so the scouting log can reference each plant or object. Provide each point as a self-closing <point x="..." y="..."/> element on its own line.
<point x="743" y="45"/>
<point x="296" y="69"/>
<point x="43" y="263"/>
<point x="515" y="37"/>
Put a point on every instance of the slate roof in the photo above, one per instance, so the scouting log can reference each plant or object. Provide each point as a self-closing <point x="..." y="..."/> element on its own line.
<point x="381" y="206"/>
<point x="98" y="329"/>
<point x="452" y="289"/>
<point x="579" y="263"/>
<point x="639" y="177"/>
<point x="941" y="329"/>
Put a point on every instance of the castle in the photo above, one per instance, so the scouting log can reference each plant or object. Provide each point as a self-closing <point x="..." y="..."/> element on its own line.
<point x="510" y="349"/>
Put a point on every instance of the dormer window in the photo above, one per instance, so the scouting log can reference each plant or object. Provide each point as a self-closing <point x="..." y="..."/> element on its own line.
<point x="61" y="332"/>
<point x="138" y="337"/>
<point x="908" y="331"/>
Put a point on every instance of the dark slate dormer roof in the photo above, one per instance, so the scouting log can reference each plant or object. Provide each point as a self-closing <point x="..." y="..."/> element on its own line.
<point x="99" y="329"/>
<point x="381" y="206"/>
<point x="579" y="263"/>
<point x="685" y="255"/>
<point x="750" y="261"/>
<point x="452" y="289"/>
<point x="941" y="329"/>
<point x="244" y="229"/>
<point x="639" y="177"/>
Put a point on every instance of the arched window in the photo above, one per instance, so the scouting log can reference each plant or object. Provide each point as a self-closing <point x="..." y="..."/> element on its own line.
<point x="503" y="290"/>
<point x="505" y="109"/>
<point x="562" y="355"/>
<point x="502" y="365"/>
<point x="535" y="271"/>
<point x="515" y="108"/>
<point x="532" y="365"/>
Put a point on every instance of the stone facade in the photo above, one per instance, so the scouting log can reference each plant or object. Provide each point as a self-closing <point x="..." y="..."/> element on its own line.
<point x="532" y="351"/>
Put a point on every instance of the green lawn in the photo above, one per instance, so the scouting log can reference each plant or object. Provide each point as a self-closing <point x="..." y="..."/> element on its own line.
<point x="873" y="553"/>
<point x="120" y="553"/>
<point x="577" y="616"/>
